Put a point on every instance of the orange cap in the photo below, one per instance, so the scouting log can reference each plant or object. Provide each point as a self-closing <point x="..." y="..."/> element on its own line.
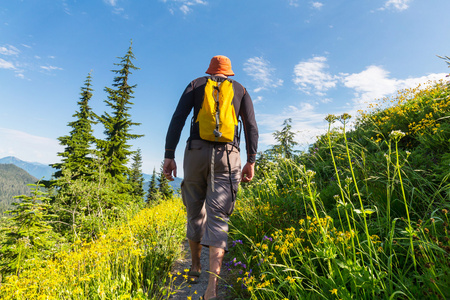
<point x="220" y="65"/>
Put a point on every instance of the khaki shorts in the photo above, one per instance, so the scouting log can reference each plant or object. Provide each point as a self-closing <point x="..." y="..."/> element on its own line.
<point x="207" y="192"/>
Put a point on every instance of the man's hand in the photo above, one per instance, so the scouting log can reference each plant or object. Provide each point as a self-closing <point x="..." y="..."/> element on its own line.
<point x="170" y="166"/>
<point x="247" y="172"/>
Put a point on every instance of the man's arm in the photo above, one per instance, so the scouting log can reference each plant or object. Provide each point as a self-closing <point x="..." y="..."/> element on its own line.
<point x="247" y="114"/>
<point x="179" y="117"/>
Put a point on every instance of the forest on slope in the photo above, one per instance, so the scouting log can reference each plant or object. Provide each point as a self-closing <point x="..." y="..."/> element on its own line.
<point x="13" y="182"/>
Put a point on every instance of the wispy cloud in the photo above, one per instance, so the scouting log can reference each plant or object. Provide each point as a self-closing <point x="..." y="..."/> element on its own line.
<point x="111" y="2"/>
<point x="257" y="99"/>
<point x="6" y="64"/>
<point x="116" y="8"/>
<point x="399" y="5"/>
<point x="259" y="69"/>
<point x="9" y="50"/>
<point x="293" y="3"/>
<point x="314" y="4"/>
<point x="185" y="6"/>
<point x="28" y="147"/>
<point x="311" y="75"/>
<point x="317" y="5"/>
<point x="51" y="68"/>
<point x="66" y="7"/>
<point x="21" y="60"/>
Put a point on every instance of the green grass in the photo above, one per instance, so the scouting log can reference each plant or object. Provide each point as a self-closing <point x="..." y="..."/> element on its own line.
<point x="362" y="215"/>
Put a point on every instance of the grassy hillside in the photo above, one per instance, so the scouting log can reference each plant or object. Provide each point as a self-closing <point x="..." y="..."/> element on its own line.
<point x="13" y="182"/>
<point x="362" y="215"/>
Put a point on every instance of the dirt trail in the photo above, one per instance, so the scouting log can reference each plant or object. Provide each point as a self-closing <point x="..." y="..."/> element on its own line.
<point x="196" y="290"/>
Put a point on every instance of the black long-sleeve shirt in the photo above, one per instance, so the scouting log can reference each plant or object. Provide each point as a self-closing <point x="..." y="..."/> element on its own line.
<point x="193" y="98"/>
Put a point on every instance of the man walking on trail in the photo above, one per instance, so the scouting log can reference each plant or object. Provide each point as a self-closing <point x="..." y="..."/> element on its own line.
<point x="212" y="166"/>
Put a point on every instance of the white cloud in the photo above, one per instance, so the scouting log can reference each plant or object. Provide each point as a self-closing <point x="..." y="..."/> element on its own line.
<point x="9" y="50"/>
<point x="66" y="7"/>
<point x="185" y="6"/>
<point x="111" y="2"/>
<point x="185" y="9"/>
<point x="370" y="84"/>
<point x="51" y="68"/>
<point x="314" y="4"/>
<point x="6" y="64"/>
<point x="396" y="4"/>
<point x="257" y="99"/>
<point x="311" y="74"/>
<point x="293" y="3"/>
<point x="374" y="83"/>
<point x="317" y="5"/>
<point x="116" y="9"/>
<point x="306" y="122"/>
<point x="28" y="147"/>
<point x="261" y="72"/>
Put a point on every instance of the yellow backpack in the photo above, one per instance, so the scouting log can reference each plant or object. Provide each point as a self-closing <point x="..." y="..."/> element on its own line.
<point x="217" y="117"/>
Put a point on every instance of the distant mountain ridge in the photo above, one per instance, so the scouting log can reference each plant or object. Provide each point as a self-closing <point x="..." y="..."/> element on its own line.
<point x="41" y="171"/>
<point x="13" y="182"/>
<point x="38" y="170"/>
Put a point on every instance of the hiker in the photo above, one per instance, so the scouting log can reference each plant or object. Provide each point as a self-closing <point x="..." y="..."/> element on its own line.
<point x="212" y="164"/>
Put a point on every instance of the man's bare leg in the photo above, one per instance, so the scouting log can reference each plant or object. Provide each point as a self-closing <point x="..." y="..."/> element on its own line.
<point x="215" y="263"/>
<point x="196" y="251"/>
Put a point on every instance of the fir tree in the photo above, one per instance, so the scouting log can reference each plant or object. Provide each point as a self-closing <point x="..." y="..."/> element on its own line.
<point x="115" y="150"/>
<point x="29" y="234"/>
<point x="286" y="141"/>
<point x="135" y="179"/>
<point x="152" y="194"/>
<point x="164" y="188"/>
<point x="77" y="156"/>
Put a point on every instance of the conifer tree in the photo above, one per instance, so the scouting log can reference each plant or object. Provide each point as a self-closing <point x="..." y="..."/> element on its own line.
<point x="164" y="188"/>
<point x="152" y="194"/>
<point x="115" y="150"/>
<point x="286" y="141"/>
<point x="77" y="156"/>
<point x="135" y="179"/>
<point x="29" y="234"/>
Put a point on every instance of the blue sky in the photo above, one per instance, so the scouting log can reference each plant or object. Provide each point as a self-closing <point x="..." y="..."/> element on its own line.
<point x="298" y="59"/>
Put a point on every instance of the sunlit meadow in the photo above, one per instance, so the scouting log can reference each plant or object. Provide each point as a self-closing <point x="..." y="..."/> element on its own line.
<point x="362" y="215"/>
<point x="132" y="261"/>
